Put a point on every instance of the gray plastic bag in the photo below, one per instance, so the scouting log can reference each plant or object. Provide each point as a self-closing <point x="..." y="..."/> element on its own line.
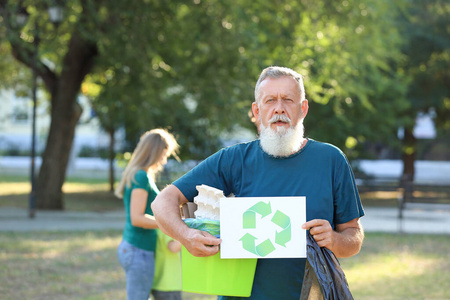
<point x="324" y="277"/>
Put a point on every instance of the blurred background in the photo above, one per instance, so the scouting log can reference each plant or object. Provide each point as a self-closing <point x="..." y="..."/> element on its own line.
<point x="81" y="80"/>
<point x="87" y="78"/>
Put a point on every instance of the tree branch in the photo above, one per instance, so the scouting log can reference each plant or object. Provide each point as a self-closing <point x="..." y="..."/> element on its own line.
<point x="22" y="51"/>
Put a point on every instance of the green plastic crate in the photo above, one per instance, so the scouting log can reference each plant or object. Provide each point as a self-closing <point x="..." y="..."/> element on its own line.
<point x="214" y="276"/>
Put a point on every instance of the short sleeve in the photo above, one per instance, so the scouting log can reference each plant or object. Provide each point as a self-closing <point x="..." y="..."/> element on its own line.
<point x="346" y="197"/>
<point x="208" y="172"/>
<point x="140" y="181"/>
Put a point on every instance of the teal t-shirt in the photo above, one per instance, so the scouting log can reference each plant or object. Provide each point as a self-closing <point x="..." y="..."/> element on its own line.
<point x="137" y="236"/>
<point x="319" y="171"/>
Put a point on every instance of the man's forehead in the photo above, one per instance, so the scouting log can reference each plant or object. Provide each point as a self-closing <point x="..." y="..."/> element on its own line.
<point x="274" y="86"/>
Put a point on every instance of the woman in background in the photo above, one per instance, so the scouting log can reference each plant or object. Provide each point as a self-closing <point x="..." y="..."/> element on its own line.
<point x="136" y="252"/>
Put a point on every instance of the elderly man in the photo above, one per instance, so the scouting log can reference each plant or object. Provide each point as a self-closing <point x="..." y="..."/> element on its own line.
<point x="280" y="163"/>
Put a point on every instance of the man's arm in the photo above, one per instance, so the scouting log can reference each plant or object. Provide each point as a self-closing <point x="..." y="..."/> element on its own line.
<point x="345" y="241"/>
<point x="166" y="209"/>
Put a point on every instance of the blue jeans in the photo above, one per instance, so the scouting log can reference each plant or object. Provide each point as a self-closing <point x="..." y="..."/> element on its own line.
<point x="139" y="266"/>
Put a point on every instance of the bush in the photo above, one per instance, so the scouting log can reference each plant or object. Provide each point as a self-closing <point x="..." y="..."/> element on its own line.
<point x="88" y="151"/>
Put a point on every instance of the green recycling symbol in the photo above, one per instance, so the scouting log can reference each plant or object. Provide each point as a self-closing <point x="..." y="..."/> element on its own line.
<point x="249" y="222"/>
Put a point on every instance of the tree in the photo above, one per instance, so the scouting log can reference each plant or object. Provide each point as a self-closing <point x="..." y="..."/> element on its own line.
<point x="425" y="27"/>
<point x="192" y="66"/>
<point x="172" y="52"/>
<point x="345" y="58"/>
<point x="62" y="83"/>
<point x="348" y="52"/>
<point x="94" y="37"/>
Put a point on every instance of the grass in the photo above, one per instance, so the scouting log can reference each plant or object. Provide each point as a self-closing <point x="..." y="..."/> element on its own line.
<point x="393" y="266"/>
<point x="56" y="265"/>
<point x="63" y="265"/>
<point x="83" y="265"/>
<point x="80" y="194"/>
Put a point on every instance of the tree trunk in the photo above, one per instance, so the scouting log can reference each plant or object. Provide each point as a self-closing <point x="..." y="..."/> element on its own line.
<point x="409" y="149"/>
<point x="65" y="113"/>
<point x="112" y="155"/>
<point x="55" y="158"/>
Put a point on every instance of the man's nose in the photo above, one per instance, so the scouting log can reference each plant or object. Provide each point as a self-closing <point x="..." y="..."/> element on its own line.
<point x="279" y="107"/>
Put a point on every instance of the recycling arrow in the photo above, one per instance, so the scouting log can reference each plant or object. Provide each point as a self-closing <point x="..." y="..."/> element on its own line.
<point x="248" y="243"/>
<point x="263" y="249"/>
<point x="282" y="220"/>
<point x="249" y="216"/>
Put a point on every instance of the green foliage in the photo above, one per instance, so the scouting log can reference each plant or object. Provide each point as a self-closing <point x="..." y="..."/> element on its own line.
<point x="88" y="151"/>
<point x="201" y="60"/>
<point x="425" y="27"/>
<point x="346" y="57"/>
<point x="191" y="66"/>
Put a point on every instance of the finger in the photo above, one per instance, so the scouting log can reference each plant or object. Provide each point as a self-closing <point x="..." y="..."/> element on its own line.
<point x="208" y="239"/>
<point x="313" y="223"/>
<point x="324" y="228"/>
<point x="320" y="236"/>
<point x="204" y="251"/>
<point x="322" y="240"/>
<point x="323" y="243"/>
<point x="210" y="250"/>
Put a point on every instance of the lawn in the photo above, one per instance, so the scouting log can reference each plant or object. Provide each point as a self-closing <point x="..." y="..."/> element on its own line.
<point x="83" y="265"/>
<point x="80" y="194"/>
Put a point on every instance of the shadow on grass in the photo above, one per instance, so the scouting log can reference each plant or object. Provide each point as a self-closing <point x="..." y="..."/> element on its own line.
<point x="98" y="201"/>
<point x="64" y="265"/>
<point x="61" y="265"/>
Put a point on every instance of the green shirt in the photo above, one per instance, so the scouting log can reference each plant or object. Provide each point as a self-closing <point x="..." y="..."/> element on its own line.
<point x="140" y="237"/>
<point x="167" y="265"/>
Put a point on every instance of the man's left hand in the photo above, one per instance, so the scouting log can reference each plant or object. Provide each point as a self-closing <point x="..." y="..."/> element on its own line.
<point x="321" y="231"/>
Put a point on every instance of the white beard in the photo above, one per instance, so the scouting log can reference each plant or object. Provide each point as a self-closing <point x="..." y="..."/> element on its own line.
<point x="283" y="142"/>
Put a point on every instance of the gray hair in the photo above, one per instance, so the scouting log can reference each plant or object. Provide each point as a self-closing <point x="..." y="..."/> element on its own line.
<point x="278" y="72"/>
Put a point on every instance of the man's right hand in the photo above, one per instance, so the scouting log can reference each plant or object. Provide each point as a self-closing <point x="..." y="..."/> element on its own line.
<point x="201" y="243"/>
<point x="166" y="209"/>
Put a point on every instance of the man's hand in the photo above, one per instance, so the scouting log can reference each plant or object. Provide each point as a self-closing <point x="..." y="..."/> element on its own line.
<point x="345" y="241"/>
<point x="166" y="209"/>
<point x="201" y="243"/>
<point x="321" y="231"/>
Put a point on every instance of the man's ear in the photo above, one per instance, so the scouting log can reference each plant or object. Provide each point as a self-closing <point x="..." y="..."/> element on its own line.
<point x="305" y="108"/>
<point x="255" y="110"/>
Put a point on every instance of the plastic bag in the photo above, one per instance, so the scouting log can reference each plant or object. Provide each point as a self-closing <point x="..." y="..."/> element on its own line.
<point x="210" y="226"/>
<point x="324" y="278"/>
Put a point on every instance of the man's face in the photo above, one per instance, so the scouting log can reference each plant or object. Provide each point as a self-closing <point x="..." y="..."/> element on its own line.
<point x="279" y="96"/>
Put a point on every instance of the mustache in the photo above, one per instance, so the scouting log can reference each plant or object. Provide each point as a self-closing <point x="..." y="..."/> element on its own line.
<point x="282" y="118"/>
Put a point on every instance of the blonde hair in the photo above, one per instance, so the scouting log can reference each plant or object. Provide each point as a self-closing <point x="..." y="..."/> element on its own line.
<point x="147" y="155"/>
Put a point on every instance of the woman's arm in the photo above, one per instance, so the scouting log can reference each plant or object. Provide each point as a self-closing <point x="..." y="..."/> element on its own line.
<point x="138" y="216"/>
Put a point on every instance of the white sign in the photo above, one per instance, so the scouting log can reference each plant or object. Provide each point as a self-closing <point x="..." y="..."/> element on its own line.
<point x="262" y="227"/>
